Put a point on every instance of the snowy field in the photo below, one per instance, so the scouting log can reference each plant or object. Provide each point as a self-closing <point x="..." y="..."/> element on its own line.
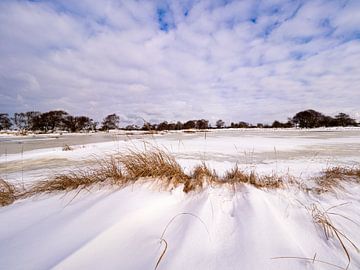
<point x="218" y="228"/>
<point x="300" y="152"/>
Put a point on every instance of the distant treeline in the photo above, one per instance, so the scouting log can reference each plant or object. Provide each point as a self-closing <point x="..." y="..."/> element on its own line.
<point x="62" y="121"/>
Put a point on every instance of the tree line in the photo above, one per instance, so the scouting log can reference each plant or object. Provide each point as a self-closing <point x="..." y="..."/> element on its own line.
<point x="62" y="121"/>
<point x="47" y="122"/>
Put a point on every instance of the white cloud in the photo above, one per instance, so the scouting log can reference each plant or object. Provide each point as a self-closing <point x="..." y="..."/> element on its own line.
<point x="236" y="61"/>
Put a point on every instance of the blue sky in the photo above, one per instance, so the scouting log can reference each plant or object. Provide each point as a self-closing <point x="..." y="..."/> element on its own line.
<point x="175" y="60"/>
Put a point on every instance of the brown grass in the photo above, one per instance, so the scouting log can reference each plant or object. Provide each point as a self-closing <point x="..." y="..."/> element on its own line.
<point x="237" y="176"/>
<point x="107" y="171"/>
<point x="332" y="178"/>
<point x="152" y="164"/>
<point x="202" y="172"/>
<point x="64" y="182"/>
<point x="200" y="175"/>
<point x="272" y="181"/>
<point x="156" y="164"/>
<point x="67" y="147"/>
<point x="8" y="193"/>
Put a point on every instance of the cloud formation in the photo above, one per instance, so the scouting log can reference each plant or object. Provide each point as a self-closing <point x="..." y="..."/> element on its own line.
<point x="177" y="60"/>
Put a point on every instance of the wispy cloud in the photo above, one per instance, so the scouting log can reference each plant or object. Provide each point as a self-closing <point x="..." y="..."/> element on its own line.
<point x="176" y="60"/>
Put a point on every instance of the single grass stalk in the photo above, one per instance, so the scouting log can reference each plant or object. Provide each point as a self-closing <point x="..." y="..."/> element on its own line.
<point x="162" y="239"/>
<point x="321" y="218"/>
<point x="162" y="253"/>
<point x="313" y="260"/>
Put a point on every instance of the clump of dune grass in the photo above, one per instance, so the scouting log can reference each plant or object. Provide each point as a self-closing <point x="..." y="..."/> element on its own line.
<point x="8" y="193"/>
<point x="120" y="170"/>
<point x="332" y="178"/>
<point x="152" y="164"/>
<point x="237" y="176"/>
<point x="272" y="181"/>
<point x="200" y="175"/>
<point x="203" y="172"/>
<point x="107" y="171"/>
<point x="67" y="147"/>
<point x="65" y="182"/>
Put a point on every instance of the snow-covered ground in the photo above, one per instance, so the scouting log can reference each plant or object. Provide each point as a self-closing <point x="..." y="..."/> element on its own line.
<point x="299" y="152"/>
<point x="218" y="228"/>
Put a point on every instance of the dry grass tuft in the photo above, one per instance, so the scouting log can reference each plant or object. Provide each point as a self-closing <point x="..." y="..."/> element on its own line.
<point x="67" y="147"/>
<point x="152" y="164"/>
<point x="64" y="182"/>
<point x="272" y="181"/>
<point x="8" y="193"/>
<point x="201" y="174"/>
<point x="107" y="171"/>
<point x="110" y="169"/>
<point x="343" y="172"/>
<point x="236" y="176"/>
<point x="332" y="178"/>
<point x="121" y="171"/>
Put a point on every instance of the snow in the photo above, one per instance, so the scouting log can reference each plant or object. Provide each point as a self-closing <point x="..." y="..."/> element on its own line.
<point x="218" y="228"/>
<point x="122" y="230"/>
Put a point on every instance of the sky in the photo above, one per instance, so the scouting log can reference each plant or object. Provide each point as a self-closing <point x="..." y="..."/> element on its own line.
<point x="245" y="60"/>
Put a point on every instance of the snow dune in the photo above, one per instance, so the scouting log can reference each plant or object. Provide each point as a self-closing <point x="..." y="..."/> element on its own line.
<point x="224" y="229"/>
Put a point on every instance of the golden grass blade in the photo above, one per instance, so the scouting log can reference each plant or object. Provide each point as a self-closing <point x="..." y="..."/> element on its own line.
<point x="162" y="253"/>
<point x="167" y="226"/>
<point x="309" y="259"/>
